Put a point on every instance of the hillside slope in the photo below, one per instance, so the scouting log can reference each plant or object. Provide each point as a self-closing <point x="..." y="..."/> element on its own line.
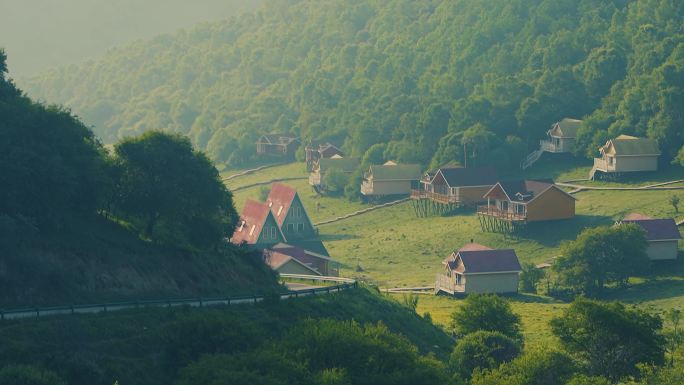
<point x="60" y="240"/>
<point x="423" y="76"/>
<point x="150" y="346"/>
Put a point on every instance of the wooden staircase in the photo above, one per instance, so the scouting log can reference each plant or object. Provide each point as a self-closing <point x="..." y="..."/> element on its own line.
<point x="592" y="173"/>
<point x="531" y="159"/>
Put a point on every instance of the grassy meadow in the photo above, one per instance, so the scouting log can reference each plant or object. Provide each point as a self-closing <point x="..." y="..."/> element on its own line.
<point x="391" y="247"/>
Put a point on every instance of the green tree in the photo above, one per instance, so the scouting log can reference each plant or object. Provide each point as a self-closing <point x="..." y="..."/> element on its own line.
<point x="674" y="201"/>
<point x="587" y="380"/>
<point x="482" y="350"/>
<point x="28" y="375"/>
<point x="548" y="367"/>
<point x="488" y="312"/>
<point x="600" y="256"/>
<point x="610" y="338"/>
<point x="165" y="181"/>
<point x="335" y="181"/>
<point x="679" y="159"/>
<point x="530" y="277"/>
<point x="675" y="337"/>
<point x="369" y="354"/>
<point x="52" y="167"/>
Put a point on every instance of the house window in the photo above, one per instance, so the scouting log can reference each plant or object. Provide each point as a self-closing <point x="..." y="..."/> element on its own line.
<point x="290" y="227"/>
<point x="300" y="227"/>
<point x="610" y="160"/>
<point x="520" y="209"/>
<point x="273" y="232"/>
<point x="503" y="205"/>
<point x="458" y="279"/>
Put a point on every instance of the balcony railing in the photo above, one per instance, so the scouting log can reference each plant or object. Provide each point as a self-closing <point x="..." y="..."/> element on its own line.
<point x="507" y="215"/>
<point x="314" y="179"/>
<point x="602" y="164"/>
<point x="437" y="197"/>
<point x="366" y="188"/>
<point x="549" y="146"/>
<point x="446" y="283"/>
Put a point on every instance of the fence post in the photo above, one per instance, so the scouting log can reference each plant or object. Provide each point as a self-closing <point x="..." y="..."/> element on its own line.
<point x="73" y="310"/>
<point x="2" y="315"/>
<point x="327" y="289"/>
<point x="38" y="312"/>
<point x="104" y="306"/>
<point x="255" y="299"/>
<point x="200" y="301"/>
<point x="228" y="301"/>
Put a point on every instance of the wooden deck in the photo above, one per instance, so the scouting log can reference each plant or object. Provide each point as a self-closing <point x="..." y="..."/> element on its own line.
<point x="447" y="284"/>
<point x="505" y="215"/>
<point x="436" y="197"/>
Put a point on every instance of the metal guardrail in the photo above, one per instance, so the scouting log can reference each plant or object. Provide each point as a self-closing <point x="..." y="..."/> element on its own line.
<point x="343" y="284"/>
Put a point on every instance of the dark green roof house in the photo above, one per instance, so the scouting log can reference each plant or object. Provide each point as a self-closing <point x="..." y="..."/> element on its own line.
<point x="346" y="165"/>
<point x="627" y="154"/>
<point x="390" y="179"/>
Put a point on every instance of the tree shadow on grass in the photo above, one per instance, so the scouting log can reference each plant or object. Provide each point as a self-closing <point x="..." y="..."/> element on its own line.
<point x="649" y="290"/>
<point x="552" y="233"/>
<point x="533" y="298"/>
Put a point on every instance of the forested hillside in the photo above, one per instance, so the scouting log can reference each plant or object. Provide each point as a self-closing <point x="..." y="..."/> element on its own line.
<point x="80" y="224"/>
<point x="42" y="34"/>
<point x="424" y="76"/>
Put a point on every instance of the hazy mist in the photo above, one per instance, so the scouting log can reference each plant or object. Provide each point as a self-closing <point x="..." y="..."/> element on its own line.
<point x="40" y="34"/>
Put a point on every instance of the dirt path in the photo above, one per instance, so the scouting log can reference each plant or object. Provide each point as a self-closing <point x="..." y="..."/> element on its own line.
<point x="657" y="186"/>
<point x="363" y="211"/>
<point x="251" y="171"/>
<point x="267" y="182"/>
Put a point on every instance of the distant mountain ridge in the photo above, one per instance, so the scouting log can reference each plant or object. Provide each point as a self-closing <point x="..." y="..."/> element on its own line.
<point x="423" y="76"/>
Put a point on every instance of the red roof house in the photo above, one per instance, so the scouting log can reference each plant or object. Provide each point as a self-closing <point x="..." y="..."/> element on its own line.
<point x="257" y="226"/>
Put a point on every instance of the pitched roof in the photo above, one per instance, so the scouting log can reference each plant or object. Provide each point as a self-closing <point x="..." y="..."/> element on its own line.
<point x="467" y="247"/>
<point x="395" y="172"/>
<point x="568" y="127"/>
<point x="474" y="247"/>
<point x="527" y="190"/>
<point x="473" y="176"/>
<point x="279" y="200"/>
<point x="278" y="138"/>
<point x="298" y="252"/>
<point x="276" y="259"/>
<point x="635" y="216"/>
<point x="313" y="245"/>
<point x="489" y="261"/>
<point x="251" y="222"/>
<point x="344" y="164"/>
<point x="658" y="229"/>
<point x="631" y="145"/>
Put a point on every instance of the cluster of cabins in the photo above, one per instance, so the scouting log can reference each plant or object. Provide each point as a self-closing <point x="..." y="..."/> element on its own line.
<point x="623" y="154"/>
<point x="282" y="229"/>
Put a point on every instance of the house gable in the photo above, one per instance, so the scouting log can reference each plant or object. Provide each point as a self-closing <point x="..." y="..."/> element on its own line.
<point x="297" y="223"/>
<point x="553" y="203"/>
<point x="270" y="232"/>
<point x="498" y="193"/>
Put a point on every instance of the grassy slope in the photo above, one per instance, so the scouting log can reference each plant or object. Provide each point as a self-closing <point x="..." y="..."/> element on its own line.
<point x="394" y="248"/>
<point x="100" y="261"/>
<point x="129" y="346"/>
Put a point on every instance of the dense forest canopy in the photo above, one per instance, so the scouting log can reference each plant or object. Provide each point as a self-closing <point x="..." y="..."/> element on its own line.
<point x="424" y="76"/>
<point x="42" y="34"/>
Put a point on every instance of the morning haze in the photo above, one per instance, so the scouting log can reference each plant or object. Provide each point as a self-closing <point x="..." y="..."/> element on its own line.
<point x="41" y="34"/>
